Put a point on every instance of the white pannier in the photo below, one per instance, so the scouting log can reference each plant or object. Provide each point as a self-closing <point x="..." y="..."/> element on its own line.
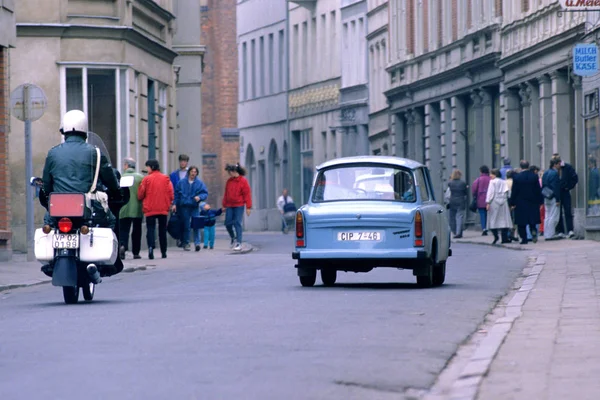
<point x="43" y="246"/>
<point x="100" y="246"/>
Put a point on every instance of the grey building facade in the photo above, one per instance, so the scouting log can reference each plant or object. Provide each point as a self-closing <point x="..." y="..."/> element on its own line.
<point x="379" y="82"/>
<point x="188" y="67"/>
<point x="264" y="142"/>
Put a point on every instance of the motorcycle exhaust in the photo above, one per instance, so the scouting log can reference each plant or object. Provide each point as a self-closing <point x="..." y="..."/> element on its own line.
<point x="93" y="273"/>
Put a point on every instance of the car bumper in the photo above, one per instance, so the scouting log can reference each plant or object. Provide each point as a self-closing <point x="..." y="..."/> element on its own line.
<point x="409" y="254"/>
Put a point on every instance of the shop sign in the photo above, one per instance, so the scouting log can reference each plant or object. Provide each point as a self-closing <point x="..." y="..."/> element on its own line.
<point x="580" y="5"/>
<point x="585" y="59"/>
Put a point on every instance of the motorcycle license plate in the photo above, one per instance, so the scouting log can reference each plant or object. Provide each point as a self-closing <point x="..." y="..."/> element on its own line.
<point x="65" y="241"/>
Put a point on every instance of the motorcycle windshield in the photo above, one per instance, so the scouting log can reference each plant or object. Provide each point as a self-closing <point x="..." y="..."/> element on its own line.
<point x="95" y="140"/>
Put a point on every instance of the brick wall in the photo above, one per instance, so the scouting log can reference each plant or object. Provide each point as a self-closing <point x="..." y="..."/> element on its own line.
<point x="440" y="24"/>
<point x="219" y="94"/>
<point x="470" y="13"/>
<point x="425" y="26"/>
<point x="5" y="217"/>
<point x="410" y="27"/>
<point x="454" y="20"/>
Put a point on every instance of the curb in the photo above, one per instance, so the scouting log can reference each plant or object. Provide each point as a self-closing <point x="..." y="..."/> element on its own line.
<point x="4" y="288"/>
<point x="520" y="248"/>
<point x="467" y="384"/>
<point x="22" y="285"/>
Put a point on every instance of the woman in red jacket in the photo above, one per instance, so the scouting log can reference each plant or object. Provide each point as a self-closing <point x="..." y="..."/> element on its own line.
<point x="237" y="194"/>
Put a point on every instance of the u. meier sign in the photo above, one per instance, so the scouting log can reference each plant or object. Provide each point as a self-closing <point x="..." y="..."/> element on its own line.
<point x="580" y="5"/>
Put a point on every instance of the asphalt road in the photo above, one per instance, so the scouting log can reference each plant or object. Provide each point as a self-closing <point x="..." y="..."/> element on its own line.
<point x="241" y="327"/>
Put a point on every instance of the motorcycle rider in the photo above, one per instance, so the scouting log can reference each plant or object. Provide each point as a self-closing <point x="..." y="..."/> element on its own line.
<point x="70" y="168"/>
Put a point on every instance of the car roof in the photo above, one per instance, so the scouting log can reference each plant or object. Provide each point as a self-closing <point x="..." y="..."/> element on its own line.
<point x="384" y="160"/>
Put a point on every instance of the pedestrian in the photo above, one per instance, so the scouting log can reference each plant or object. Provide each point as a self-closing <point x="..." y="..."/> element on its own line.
<point x="498" y="211"/>
<point x="188" y="195"/>
<point x="286" y="206"/>
<point x="505" y="168"/>
<point x="509" y="182"/>
<point x="479" y="191"/>
<point x="457" y="202"/>
<point x="175" y="177"/>
<point x="568" y="181"/>
<point x="210" y="219"/>
<point x="131" y="214"/>
<point x="156" y="194"/>
<point x="551" y="193"/>
<point x="237" y="195"/>
<point x="526" y="198"/>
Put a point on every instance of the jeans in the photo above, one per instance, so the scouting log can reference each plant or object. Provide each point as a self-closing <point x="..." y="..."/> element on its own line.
<point x="483" y="218"/>
<point x="551" y="218"/>
<point x="523" y="232"/>
<point x="136" y="236"/>
<point x="209" y="236"/>
<point x="233" y="220"/>
<point x="457" y="218"/>
<point x="162" y="231"/>
<point x="186" y="214"/>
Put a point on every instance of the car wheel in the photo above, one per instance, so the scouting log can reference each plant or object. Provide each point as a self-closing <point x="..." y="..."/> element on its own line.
<point x="439" y="274"/>
<point x="309" y="279"/>
<point x="328" y="276"/>
<point x="426" y="281"/>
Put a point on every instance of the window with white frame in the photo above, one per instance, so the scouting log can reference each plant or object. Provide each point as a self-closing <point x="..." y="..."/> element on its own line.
<point x="101" y="93"/>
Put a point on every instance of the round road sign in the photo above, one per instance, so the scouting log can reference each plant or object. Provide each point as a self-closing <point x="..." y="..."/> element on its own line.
<point x="28" y="102"/>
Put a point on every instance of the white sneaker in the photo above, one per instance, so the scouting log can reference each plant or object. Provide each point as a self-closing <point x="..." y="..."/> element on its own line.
<point x="571" y="234"/>
<point x="237" y="247"/>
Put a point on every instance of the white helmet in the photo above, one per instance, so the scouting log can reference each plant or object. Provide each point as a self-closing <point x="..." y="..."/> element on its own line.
<point x="74" y="121"/>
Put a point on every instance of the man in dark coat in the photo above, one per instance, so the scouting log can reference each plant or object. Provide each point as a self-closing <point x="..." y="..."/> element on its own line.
<point x="526" y="198"/>
<point x="568" y="181"/>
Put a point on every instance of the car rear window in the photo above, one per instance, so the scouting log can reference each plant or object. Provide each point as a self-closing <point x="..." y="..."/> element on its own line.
<point x="364" y="182"/>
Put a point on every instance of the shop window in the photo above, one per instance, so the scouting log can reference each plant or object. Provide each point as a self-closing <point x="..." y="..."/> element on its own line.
<point x="592" y="126"/>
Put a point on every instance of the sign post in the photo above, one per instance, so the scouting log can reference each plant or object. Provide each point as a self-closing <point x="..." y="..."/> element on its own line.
<point x="28" y="103"/>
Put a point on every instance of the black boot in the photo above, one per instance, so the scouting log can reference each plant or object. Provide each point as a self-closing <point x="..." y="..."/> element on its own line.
<point x="495" y="233"/>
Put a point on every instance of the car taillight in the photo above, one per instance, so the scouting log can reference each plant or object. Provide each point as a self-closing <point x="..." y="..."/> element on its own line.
<point x="65" y="225"/>
<point x="300" y="230"/>
<point x="418" y="229"/>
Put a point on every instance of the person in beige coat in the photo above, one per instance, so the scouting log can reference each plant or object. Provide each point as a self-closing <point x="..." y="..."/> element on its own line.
<point x="498" y="211"/>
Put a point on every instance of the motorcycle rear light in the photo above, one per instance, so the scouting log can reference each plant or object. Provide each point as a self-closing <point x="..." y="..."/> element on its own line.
<point x="65" y="225"/>
<point x="418" y="229"/>
<point x="46" y="229"/>
<point x="84" y="230"/>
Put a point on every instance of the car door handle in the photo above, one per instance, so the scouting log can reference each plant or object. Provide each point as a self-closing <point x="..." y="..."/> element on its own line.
<point x="440" y="211"/>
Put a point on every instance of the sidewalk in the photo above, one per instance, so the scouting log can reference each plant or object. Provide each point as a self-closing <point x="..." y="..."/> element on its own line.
<point x="545" y="340"/>
<point x="21" y="273"/>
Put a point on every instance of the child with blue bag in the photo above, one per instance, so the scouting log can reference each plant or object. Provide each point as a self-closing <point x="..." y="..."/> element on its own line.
<point x="210" y="219"/>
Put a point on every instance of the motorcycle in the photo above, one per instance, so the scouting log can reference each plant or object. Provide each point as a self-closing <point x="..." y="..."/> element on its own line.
<point x="73" y="245"/>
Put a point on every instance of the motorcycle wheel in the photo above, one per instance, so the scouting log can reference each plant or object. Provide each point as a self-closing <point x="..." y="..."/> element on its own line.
<point x="88" y="291"/>
<point x="71" y="294"/>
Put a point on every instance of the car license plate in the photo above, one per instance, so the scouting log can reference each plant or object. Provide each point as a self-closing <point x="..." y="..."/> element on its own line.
<point x="359" y="236"/>
<point x="65" y="241"/>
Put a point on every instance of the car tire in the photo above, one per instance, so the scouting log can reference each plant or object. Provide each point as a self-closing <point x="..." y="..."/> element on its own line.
<point x="426" y="281"/>
<point x="439" y="274"/>
<point x="309" y="280"/>
<point x="328" y="276"/>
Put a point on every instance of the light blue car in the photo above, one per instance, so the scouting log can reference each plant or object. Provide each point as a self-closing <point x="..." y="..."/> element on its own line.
<point x="372" y="211"/>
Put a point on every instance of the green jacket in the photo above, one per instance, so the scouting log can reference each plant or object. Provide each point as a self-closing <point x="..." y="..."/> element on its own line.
<point x="70" y="168"/>
<point x="133" y="209"/>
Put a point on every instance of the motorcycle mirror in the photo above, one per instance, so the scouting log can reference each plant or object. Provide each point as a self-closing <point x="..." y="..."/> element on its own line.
<point x="35" y="181"/>
<point x="126" y="181"/>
